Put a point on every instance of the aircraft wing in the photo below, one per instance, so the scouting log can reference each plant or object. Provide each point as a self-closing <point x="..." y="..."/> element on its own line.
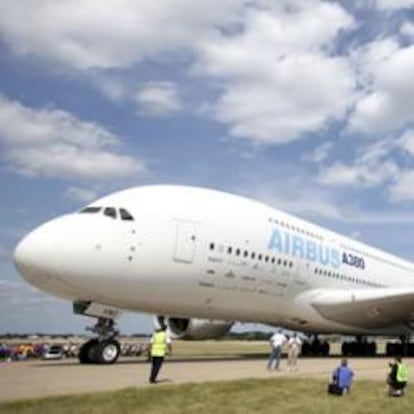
<point x="365" y="308"/>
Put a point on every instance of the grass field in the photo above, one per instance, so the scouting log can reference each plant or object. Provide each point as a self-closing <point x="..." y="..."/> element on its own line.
<point x="244" y="396"/>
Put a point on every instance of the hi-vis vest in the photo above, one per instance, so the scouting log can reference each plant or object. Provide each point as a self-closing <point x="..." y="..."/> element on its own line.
<point x="402" y="373"/>
<point x="159" y="346"/>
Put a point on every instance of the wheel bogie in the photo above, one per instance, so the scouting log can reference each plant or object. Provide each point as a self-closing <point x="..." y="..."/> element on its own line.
<point x="99" y="352"/>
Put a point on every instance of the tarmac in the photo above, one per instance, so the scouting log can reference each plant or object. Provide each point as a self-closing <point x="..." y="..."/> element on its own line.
<point x="40" y="378"/>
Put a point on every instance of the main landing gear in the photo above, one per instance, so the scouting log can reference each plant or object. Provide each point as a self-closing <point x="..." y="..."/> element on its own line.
<point x="315" y="347"/>
<point x="105" y="348"/>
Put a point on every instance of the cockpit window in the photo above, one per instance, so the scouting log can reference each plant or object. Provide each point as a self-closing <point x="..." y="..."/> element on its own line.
<point x="125" y="215"/>
<point x="110" y="212"/>
<point x="91" y="210"/>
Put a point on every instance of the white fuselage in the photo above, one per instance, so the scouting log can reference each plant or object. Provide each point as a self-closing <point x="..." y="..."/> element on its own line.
<point x="193" y="252"/>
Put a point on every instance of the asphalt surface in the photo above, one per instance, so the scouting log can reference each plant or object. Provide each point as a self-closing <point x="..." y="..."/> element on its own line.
<point x="39" y="378"/>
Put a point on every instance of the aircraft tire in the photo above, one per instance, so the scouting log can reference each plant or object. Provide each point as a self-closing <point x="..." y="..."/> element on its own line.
<point x="107" y="352"/>
<point x="85" y="352"/>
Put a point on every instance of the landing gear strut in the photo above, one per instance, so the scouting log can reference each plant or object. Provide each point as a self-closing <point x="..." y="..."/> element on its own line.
<point x="105" y="348"/>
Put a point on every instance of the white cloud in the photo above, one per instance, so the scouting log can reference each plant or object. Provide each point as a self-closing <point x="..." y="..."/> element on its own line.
<point x="403" y="188"/>
<point x="281" y="78"/>
<point x="388" y="94"/>
<point x="309" y="202"/>
<point x="406" y="142"/>
<point x="394" y="4"/>
<point x="407" y="29"/>
<point x="319" y="154"/>
<point x="54" y="143"/>
<point x="83" y="195"/>
<point x="97" y="34"/>
<point x="112" y="88"/>
<point x="372" y="166"/>
<point x="380" y="163"/>
<point x="158" y="99"/>
<point x="358" y="175"/>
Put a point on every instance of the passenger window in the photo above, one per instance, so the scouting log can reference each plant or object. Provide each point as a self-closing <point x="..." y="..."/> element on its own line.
<point x="110" y="212"/>
<point x="91" y="210"/>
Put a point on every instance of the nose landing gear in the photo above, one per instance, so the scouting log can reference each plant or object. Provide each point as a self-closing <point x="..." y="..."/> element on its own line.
<point x="104" y="349"/>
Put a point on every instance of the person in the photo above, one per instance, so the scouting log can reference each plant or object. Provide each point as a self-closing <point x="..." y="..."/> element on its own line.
<point x="159" y="347"/>
<point x="397" y="378"/>
<point x="294" y="345"/>
<point x="276" y="341"/>
<point x="341" y="379"/>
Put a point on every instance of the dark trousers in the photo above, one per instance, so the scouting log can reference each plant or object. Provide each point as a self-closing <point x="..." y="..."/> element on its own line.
<point x="156" y="362"/>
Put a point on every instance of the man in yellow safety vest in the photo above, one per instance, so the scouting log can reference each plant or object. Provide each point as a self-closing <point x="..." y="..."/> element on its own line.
<point x="397" y="378"/>
<point x="160" y="346"/>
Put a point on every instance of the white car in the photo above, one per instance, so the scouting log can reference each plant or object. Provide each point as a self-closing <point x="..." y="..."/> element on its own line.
<point x="54" y="352"/>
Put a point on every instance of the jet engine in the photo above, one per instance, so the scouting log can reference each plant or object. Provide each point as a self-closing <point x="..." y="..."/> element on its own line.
<point x="186" y="328"/>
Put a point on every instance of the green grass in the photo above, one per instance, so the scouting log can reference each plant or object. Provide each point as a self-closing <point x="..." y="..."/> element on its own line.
<point x="244" y="396"/>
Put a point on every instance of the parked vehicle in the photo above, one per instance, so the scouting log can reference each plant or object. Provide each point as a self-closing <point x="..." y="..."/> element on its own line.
<point x="54" y="352"/>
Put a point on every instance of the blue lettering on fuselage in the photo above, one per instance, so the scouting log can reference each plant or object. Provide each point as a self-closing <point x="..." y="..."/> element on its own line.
<point x="295" y="245"/>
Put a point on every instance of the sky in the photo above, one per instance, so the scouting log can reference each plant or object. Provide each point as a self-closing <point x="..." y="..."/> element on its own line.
<point x="306" y="105"/>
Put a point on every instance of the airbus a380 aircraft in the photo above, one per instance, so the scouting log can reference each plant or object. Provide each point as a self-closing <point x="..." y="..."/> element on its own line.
<point x="203" y="258"/>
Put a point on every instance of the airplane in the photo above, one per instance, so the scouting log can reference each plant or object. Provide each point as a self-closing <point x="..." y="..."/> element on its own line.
<point x="201" y="259"/>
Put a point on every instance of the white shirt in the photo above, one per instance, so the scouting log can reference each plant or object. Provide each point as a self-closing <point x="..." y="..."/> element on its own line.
<point x="277" y="339"/>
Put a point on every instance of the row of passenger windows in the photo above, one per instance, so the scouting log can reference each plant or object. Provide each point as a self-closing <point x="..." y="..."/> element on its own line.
<point x="375" y="257"/>
<point x="340" y="276"/>
<point x="296" y="228"/>
<point x="112" y="212"/>
<point x="254" y="256"/>
<point x="286" y="263"/>
<point x="319" y="237"/>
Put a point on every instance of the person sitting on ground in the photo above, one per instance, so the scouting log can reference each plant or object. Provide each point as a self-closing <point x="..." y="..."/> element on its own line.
<point x="397" y="378"/>
<point x="341" y="379"/>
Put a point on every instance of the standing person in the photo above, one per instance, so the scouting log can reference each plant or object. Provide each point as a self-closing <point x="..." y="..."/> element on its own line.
<point x="397" y="378"/>
<point x="159" y="347"/>
<point x="276" y="341"/>
<point x="341" y="379"/>
<point x="294" y="345"/>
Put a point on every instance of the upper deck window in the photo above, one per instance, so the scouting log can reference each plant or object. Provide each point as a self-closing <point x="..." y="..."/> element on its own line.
<point x="91" y="209"/>
<point x="110" y="212"/>
<point x="125" y="214"/>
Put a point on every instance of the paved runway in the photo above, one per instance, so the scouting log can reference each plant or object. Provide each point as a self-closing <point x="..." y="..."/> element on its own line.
<point x="40" y="378"/>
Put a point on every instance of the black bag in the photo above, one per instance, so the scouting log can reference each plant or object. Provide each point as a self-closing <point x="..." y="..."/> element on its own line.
<point x="334" y="389"/>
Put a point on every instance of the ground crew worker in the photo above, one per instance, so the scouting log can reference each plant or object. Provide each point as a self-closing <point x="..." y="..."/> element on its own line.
<point x="397" y="378"/>
<point x="159" y="347"/>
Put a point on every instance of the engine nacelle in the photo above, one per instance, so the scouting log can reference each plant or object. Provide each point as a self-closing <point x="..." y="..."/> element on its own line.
<point x="186" y="328"/>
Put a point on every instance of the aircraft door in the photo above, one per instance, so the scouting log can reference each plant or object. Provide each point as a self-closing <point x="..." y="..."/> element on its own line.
<point x="300" y="275"/>
<point x="185" y="241"/>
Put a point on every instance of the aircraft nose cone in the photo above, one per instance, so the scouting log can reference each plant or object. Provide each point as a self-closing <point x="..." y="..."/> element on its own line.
<point x="32" y="255"/>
